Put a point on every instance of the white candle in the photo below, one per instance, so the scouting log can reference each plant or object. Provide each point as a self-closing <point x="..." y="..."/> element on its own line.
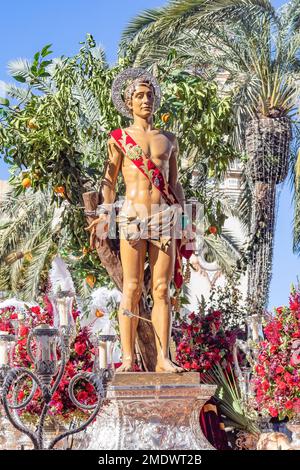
<point x="102" y="355"/>
<point x="63" y="313"/>
<point x="3" y="351"/>
<point x="255" y="335"/>
<point x="45" y="345"/>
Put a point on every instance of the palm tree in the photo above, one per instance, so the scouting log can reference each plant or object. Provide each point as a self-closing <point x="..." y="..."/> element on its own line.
<point x="255" y="48"/>
<point x="28" y="224"/>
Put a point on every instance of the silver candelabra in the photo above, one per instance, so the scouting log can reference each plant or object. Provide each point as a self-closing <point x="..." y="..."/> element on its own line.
<point x="47" y="367"/>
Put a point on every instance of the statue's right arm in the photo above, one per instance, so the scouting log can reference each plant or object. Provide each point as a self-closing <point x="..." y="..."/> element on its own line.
<point x="113" y="166"/>
<point x="107" y="190"/>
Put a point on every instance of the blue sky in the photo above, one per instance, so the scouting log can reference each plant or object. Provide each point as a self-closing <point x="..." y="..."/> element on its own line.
<point x="27" y="26"/>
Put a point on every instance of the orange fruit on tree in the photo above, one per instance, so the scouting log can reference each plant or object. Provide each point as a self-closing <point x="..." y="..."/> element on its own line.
<point x="26" y="182"/>
<point x="165" y="117"/>
<point x="32" y="124"/>
<point x="99" y="313"/>
<point x="91" y="280"/>
<point x="213" y="229"/>
<point x="59" y="189"/>
<point x="28" y="256"/>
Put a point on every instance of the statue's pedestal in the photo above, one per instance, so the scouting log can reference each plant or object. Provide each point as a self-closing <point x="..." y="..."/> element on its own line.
<point x="151" y="411"/>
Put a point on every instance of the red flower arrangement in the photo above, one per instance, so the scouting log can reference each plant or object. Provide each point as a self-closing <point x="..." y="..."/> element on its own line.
<point x="276" y="380"/>
<point x="202" y="343"/>
<point x="81" y="360"/>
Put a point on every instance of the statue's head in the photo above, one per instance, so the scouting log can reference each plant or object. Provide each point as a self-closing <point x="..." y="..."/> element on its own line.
<point x="139" y="97"/>
<point x="136" y="92"/>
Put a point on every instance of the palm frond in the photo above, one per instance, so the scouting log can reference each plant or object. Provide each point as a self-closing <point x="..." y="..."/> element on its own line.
<point x="89" y="106"/>
<point x="244" y="203"/>
<point x="290" y="13"/>
<point x="189" y="14"/>
<point x="20" y="68"/>
<point x="19" y="93"/>
<point x="99" y="53"/>
<point x="142" y="21"/>
<point x="28" y="229"/>
<point x="23" y="212"/>
<point x="232" y="242"/>
<point x="231" y="403"/>
<point x="224" y="254"/>
<point x="31" y="277"/>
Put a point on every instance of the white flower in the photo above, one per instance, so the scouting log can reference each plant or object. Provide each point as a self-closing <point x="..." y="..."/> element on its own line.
<point x="60" y="276"/>
<point x="103" y="300"/>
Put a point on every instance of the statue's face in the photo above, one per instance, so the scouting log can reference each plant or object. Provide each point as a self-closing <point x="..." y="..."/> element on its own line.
<point x="142" y="101"/>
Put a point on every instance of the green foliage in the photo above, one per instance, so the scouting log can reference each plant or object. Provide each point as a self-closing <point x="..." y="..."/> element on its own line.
<point x="201" y="119"/>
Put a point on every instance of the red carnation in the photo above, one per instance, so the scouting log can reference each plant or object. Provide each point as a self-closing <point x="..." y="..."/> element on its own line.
<point x="21" y="395"/>
<point x="279" y="369"/>
<point x="288" y="405"/>
<point x="89" y="388"/>
<point x="187" y="365"/>
<point x="36" y="310"/>
<point x="82" y="396"/>
<point x="4" y="326"/>
<point x="260" y="370"/>
<point x="273" y="412"/>
<point x="288" y="378"/>
<point x="265" y="385"/>
<point x="294" y="304"/>
<point x="80" y="348"/>
<point x="23" y="330"/>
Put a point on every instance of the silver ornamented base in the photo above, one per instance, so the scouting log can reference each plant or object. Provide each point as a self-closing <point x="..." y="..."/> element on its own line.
<point x="154" y="411"/>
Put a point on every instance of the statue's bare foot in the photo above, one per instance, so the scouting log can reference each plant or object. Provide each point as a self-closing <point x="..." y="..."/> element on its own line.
<point x="165" y="365"/>
<point x="126" y="366"/>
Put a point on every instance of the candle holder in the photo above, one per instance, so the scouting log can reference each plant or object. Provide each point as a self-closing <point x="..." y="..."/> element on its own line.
<point x="254" y="330"/>
<point x="62" y="303"/>
<point x="294" y="426"/>
<point x="104" y="348"/>
<point x="46" y="368"/>
<point x="7" y="343"/>
<point x="45" y="360"/>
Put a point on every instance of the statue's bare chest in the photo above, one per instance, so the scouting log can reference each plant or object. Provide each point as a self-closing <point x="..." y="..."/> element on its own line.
<point x="154" y="144"/>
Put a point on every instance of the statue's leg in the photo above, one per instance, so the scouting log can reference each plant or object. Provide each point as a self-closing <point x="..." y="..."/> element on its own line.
<point x="133" y="260"/>
<point x="162" y="267"/>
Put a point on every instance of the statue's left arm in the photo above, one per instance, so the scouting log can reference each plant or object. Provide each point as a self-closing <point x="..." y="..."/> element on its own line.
<point x="173" y="173"/>
<point x="176" y="186"/>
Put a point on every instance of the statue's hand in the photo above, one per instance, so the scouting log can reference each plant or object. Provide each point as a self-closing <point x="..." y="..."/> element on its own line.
<point x="99" y="229"/>
<point x="194" y="261"/>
